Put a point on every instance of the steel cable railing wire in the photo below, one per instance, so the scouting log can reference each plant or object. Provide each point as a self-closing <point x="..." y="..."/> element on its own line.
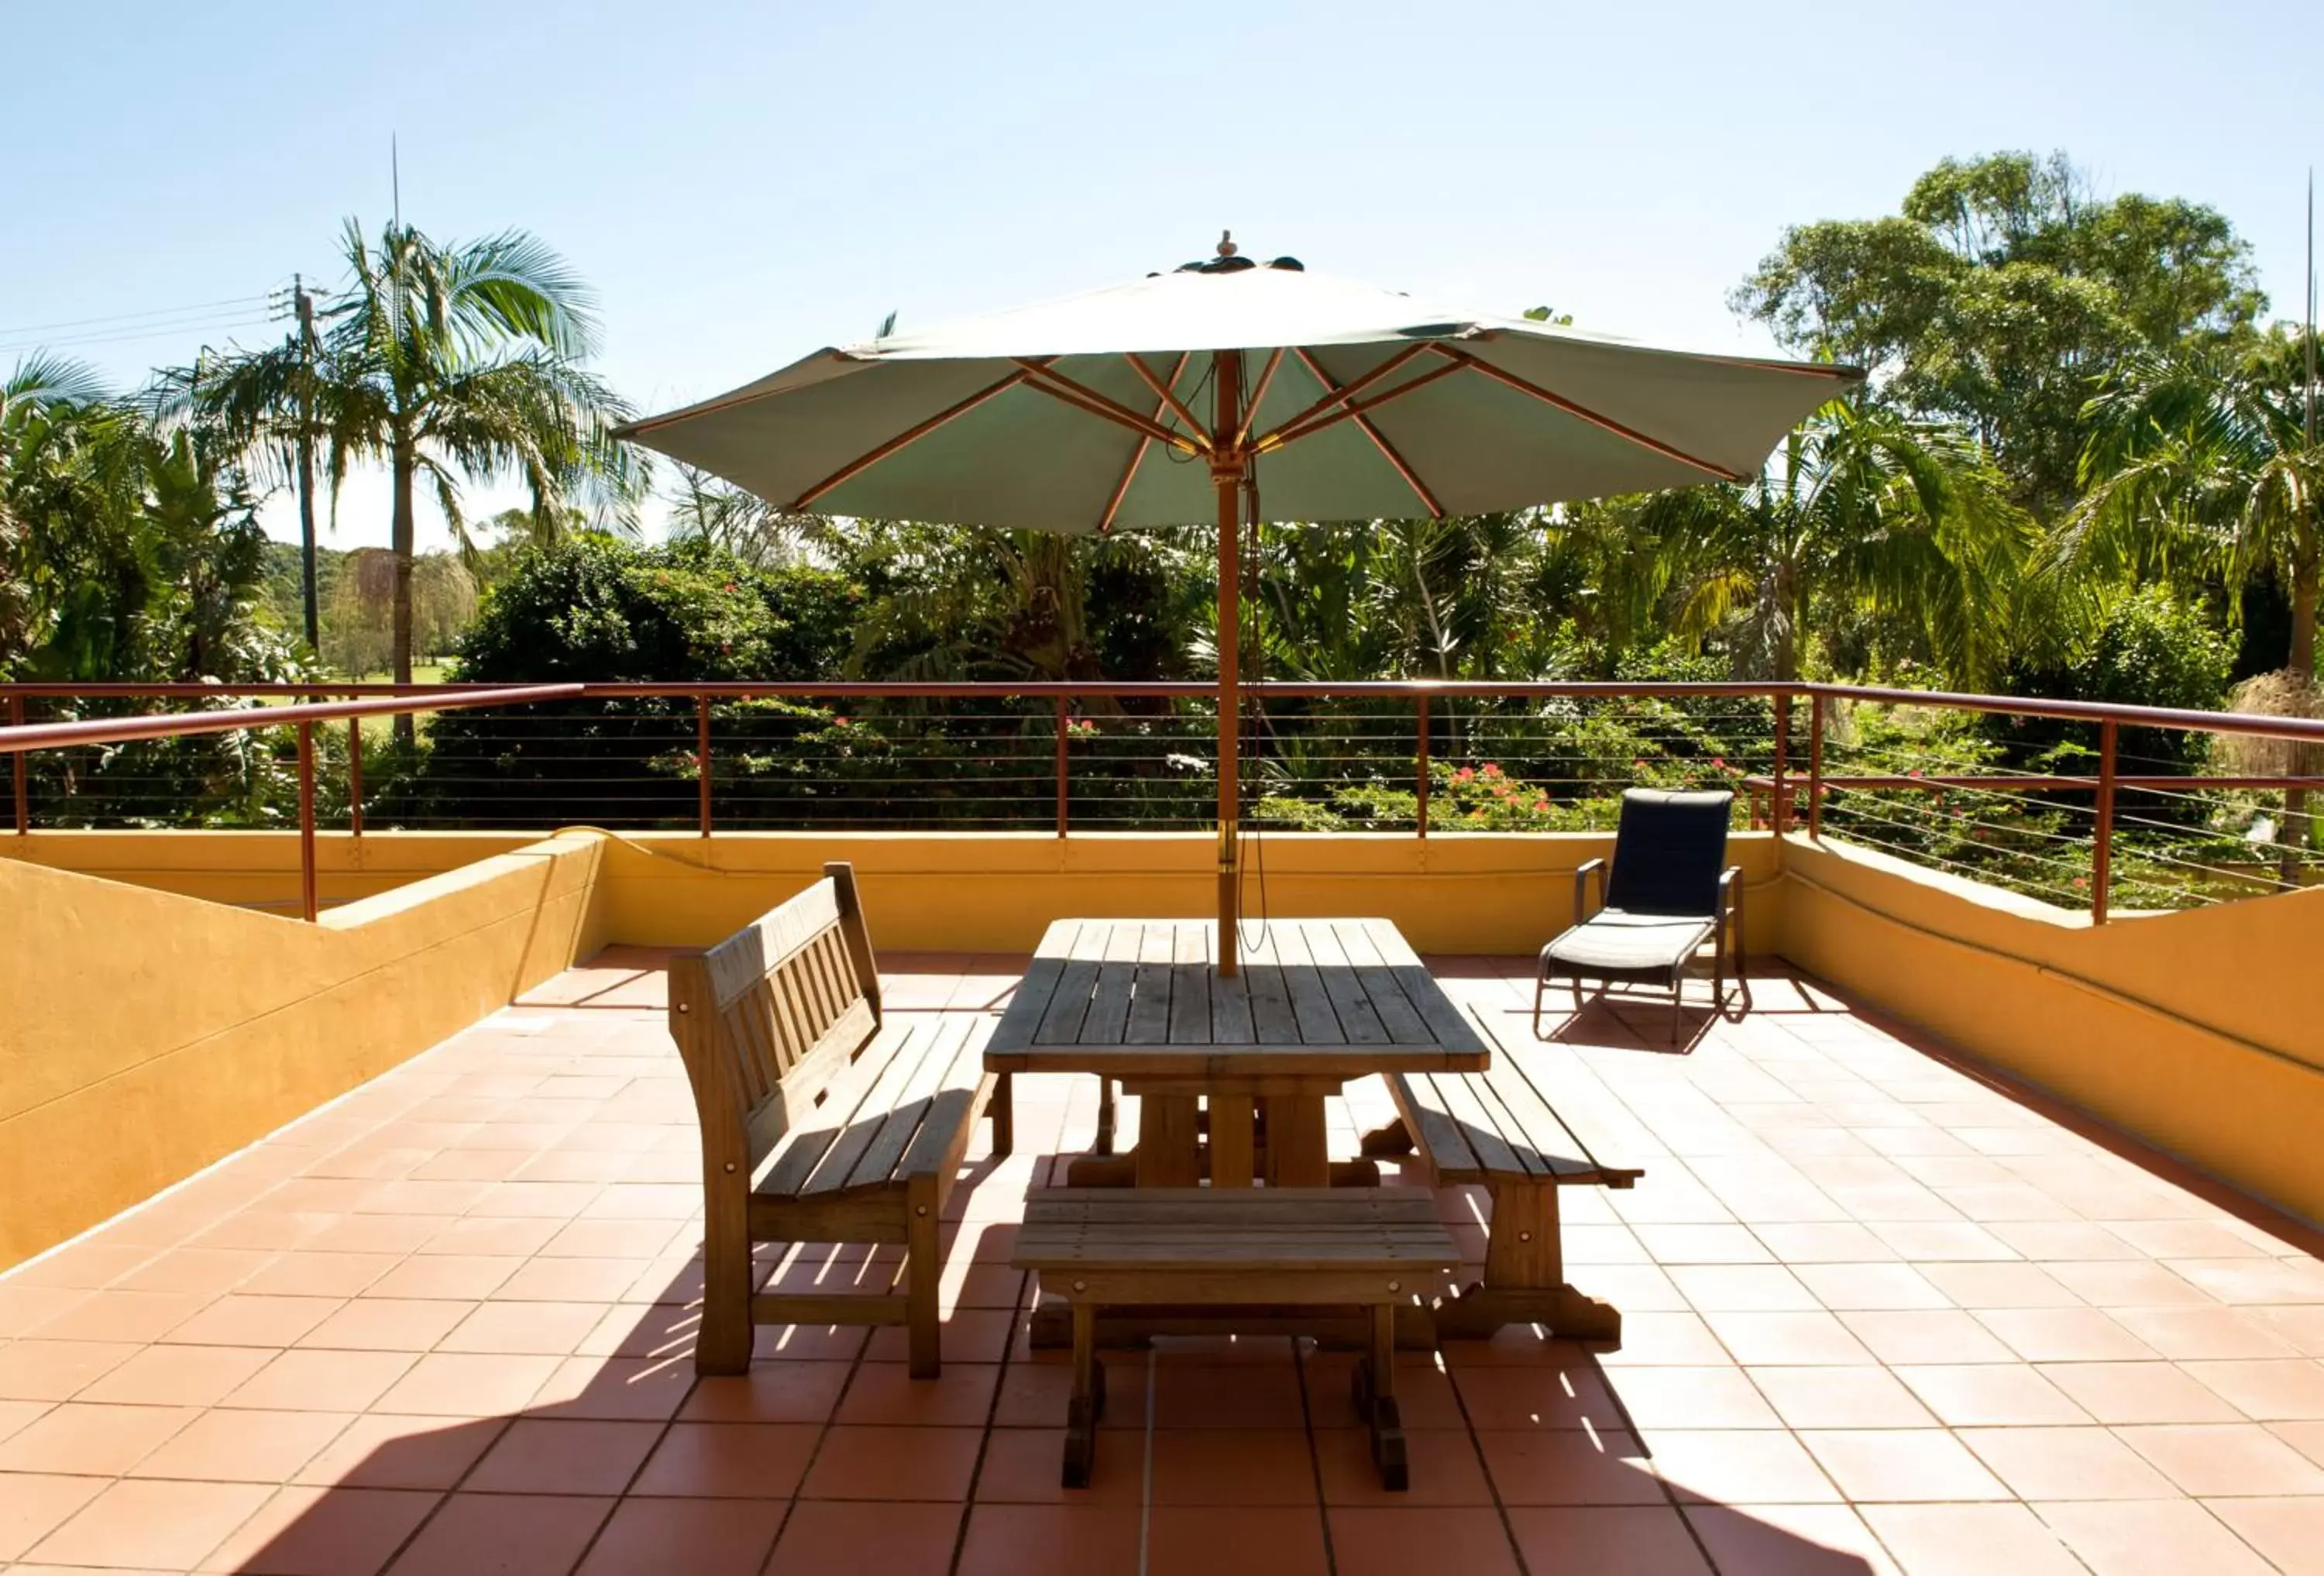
<point x="967" y="758"/>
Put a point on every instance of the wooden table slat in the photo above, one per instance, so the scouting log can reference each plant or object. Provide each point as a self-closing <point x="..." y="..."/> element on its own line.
<point x="1358" y="1016"/>
<point x="1453" y="1031"/>
<point x="1069" y="1001"/>
<point x="1310" y="1004"/>
<point x="1108" y="1013"/>
<point x="1312" y="999"/>
<point x="1150" y="1005"/>
<point x="1272" y="1018"/>
<point x="1031" y="1003"/>
<point x="1190" y="983"/>
<point x="1398" y="1015"/>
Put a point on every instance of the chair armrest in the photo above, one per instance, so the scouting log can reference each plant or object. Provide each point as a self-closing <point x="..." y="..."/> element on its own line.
<point x="1589" y="867"/>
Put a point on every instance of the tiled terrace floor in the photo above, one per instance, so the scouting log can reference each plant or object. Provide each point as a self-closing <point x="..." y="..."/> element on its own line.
<point x="1881" y="1316"/>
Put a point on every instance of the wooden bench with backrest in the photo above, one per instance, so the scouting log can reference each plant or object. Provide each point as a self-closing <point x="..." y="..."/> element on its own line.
<point x="1378" y="1248"/>
<point x="824" y="1117"/>
<point x="1522" y="1130"/>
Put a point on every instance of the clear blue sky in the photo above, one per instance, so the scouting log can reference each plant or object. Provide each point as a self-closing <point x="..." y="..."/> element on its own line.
<point x="743" y="182"/>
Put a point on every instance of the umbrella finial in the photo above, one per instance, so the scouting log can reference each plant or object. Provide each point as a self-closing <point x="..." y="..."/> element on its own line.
<point x="1226" y="244"/>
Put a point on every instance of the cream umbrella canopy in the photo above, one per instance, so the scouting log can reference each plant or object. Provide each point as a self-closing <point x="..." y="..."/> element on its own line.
<point x="1345" y="401"/>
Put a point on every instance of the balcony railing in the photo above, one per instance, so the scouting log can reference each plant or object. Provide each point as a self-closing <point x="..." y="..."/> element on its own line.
<point x="2080" y="804"/>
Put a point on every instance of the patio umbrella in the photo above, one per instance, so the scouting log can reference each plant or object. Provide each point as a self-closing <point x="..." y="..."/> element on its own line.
<point x="1235" y="390"/>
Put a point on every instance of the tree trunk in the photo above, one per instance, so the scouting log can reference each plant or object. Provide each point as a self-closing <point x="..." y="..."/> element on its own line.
<point x="402" y="462"/>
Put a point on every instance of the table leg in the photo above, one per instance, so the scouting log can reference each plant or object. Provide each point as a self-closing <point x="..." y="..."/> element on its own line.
<point x="1233" y="1139"/>
<point x="1297" y="1153"/>
<point x="1169" y="1142"/>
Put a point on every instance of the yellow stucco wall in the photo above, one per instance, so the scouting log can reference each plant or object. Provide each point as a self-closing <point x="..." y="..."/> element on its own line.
<point x="144" y="1035"/>
<point x="996" y="892"/>
<point x="2201" y="1031"/>
<point x="261" y="868"/>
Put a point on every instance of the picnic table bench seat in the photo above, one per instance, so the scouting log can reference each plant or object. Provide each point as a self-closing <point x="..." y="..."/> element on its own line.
<point x="1374" y="1248"/>
<point x="1522" y="1129"/>
<point x="824" y="1119"/>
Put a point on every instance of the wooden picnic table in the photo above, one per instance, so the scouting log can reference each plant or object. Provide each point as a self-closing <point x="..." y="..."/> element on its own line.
<point x="1315" y="1004"/>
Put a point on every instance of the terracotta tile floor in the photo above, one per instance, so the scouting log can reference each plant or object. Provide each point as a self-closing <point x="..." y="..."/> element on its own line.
<point x="1882" y="1316"/>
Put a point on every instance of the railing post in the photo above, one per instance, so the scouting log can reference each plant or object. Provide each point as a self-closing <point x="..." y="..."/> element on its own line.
<point x="354" y="776"/>
<point x="2102" y="837"/>
<point x="306" y="821"/>
<point x="1815" y="765"/>
<point x="18" y="769"/>
<point x="1420" y="755"/>
<point x="702" y="761"/>
<point x="1779" y="815"/>
<point x="1064" y="719"/>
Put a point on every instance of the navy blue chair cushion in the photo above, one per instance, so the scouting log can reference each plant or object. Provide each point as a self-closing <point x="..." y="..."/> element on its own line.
<point x="1668" y="852"/>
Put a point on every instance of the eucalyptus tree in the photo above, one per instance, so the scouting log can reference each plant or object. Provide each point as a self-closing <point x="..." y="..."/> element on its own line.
<point x="2000" y="289"/>
<point x="448" y="364"/>
<point x="1862" y="512"/>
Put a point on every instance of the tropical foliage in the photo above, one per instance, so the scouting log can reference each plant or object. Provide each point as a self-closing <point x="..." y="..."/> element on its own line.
<point x="2082" y="467"/>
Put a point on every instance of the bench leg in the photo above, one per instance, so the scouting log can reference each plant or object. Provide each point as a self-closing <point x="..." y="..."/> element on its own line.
<point x="1087" y="1403"/>
<point x="1525" y="1276"/>
<point x="722" y="1343"/>
<point x="1003" y="1112"/>
<point x="923" y="1274"/>
<point x="1374" y="1387"/>
<point x="1105" y="1117"/>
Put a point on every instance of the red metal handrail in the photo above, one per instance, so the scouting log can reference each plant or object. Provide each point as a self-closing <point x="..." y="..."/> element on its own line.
<point x="20" y="737"/>
<point x="20" y="741"/>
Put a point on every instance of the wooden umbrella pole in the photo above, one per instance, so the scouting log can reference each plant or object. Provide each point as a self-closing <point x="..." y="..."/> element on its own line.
<point x="1229" y="461"/>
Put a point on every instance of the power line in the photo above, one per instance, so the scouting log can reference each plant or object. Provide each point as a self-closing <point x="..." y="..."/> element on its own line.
<point x="127" y="317"/>
<point x="171" y="330"/>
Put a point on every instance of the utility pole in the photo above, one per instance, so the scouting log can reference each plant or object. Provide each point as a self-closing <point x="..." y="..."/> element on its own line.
<point x="305" y="307"/>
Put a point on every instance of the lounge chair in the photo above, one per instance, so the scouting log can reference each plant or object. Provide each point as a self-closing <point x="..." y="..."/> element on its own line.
<point x="1665" y="895"/>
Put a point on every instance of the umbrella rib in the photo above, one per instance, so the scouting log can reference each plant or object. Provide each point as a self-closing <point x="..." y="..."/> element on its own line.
<point x="1058" y="386"/>
<point x="1346" y="392"/>
<point x="913" y="434"/>
<point x="1170" y="402"/>
<point x="1584" y="413"/>
<point x="1387" y="449"/>
<point x="1137" y="458"/>
<point x="1266" y="377"/>
<point x="1283" y="434"/>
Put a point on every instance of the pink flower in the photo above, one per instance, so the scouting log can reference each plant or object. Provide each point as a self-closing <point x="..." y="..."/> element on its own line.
<point x="1541" y="804"/>
<point x="839" y="721"/>
<point x="1465" y="775"/>
<point x="1719" y="763"/>
<point x="1491" y="770"/>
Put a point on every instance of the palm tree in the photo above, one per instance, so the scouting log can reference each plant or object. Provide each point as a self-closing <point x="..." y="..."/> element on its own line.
<point x="1861" y="512"/>
<point x="68" y="476"/>
<point x="445" y="364"/>
<point x="2207" y="465"/>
